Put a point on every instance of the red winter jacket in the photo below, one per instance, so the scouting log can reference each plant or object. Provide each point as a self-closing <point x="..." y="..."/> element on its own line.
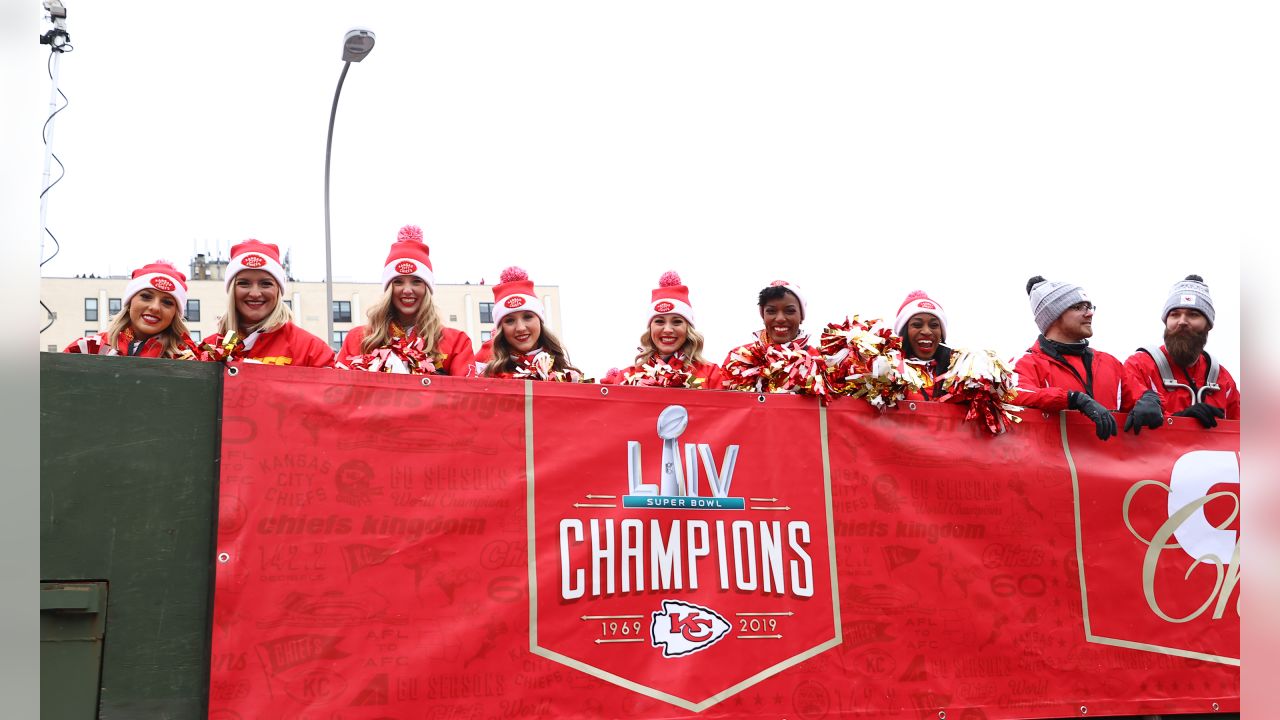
<point x="99" y="345"/>
<point x="1144" y="374"/>
<point x="287" y="345"/>
<point x="1044" y="381"/>
<point x="455" y="347"/>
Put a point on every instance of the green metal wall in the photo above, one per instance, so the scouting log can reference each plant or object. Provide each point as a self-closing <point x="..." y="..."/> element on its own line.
<point x="128" y="495"/>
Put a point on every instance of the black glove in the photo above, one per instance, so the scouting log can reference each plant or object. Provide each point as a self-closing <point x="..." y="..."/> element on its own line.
<point x="1204" y="412"/>
<point x="1145" y="413"/>
<point x="1104" y="422"/>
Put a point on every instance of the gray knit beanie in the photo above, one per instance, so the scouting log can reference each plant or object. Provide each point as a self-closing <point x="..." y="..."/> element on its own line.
<point x="1050" y="299"/>
<point x="1191" y="294"/>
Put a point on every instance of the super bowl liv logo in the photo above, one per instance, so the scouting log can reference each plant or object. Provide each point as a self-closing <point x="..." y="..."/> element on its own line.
<point x="677" y="483"/>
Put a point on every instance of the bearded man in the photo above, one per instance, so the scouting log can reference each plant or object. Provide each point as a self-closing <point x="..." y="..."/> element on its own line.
<point x="1190" y="382"/>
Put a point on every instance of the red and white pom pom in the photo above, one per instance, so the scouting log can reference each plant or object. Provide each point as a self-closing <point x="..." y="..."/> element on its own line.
<point x="410" y="233"/>
<point x="669" y="279"/>
<point x="513" y="273"/>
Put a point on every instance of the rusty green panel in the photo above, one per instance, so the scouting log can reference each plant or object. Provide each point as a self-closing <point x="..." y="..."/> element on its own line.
<point x="128" y="496"/>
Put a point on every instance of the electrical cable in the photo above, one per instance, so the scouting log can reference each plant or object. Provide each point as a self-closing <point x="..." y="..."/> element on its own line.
<point x="62" y="169"/>
<point x="44" y="135"/>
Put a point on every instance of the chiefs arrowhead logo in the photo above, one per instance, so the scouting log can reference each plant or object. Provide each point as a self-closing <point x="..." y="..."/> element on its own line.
<point x="777" y="283"/>
<point x="406" y="267"/>
<point x="1188" y="299"/>
<point x="682" y="628"/>
<point x="664" y="307"/>
<point x="514" y="302"/>
<point x="163" y="284"/>
<point x="926" y="305"/>
<point x="253" y="261"/>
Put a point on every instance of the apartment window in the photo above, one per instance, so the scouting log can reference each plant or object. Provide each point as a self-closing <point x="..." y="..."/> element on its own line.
<point x="113" y="306"/>
<point x="342" y="311"/>
<point x="338" y="337"/>
<point x="193" y="310"/>
<point x="195" y="335"/>
<point x="91" y="333"/>
<point x="53" y="348"/>
<point x="486" y="335"/>
<point x="91" y="309"/>
<point x="453" y="318"/>
<point x="486" y="312"/>
<point x="288" y="304"/>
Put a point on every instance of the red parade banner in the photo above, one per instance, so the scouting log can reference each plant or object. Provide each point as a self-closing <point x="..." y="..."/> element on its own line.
<point x="400" y="547"/>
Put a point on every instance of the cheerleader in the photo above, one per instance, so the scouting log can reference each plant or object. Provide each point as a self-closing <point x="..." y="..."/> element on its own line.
<point x="670" y="348"/>
<point x="922" y="324"/>
<point x="257" y="325"/>
<point x="405" y="333"/>
<point x="523" y="347"/>
<point x="780" y="359"/>
<point x="150" y="322"/>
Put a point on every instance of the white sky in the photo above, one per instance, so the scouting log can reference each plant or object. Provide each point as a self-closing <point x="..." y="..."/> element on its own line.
<point x="861" y="151"/>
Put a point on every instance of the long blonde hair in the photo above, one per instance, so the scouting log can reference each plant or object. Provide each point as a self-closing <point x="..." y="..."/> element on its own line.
<point x="691" y="349"/>
<point x="280" y="316"/>
<point x="501" y="361"/>
<point x="427" y="323"/>
<point x="171" y="338"/>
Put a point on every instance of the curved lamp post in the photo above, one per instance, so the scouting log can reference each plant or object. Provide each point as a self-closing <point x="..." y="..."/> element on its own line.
<point x="355" y="47"/>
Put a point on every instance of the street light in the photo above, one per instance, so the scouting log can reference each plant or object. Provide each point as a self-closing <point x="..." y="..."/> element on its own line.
<point x="355" y="47"/>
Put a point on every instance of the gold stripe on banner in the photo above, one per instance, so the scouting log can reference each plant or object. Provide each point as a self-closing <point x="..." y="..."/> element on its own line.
<point x="631" y="685"/>
<point x="528" y="508"/>
<point x="1084" y="594"/>
<point x="831" y="528"/>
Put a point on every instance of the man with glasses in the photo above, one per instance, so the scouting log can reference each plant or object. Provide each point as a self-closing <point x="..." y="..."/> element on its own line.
<point x="1189" y="381"/>
<point x="1060" y="371"/>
